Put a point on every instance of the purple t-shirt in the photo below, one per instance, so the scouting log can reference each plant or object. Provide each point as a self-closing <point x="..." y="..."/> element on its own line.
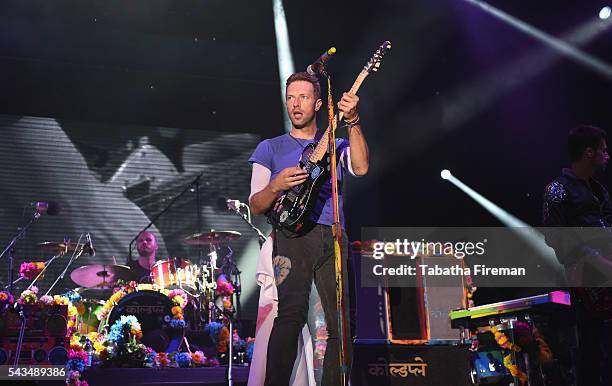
<point x="285" y="151"/>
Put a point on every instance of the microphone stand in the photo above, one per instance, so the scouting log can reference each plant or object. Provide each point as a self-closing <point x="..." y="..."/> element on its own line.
<point x="337" y="230"/>
<point x="230" y="349"/>
<point x="11" y="246"/>
<point x="247" y="219"/>
<point x="195" y="182"/>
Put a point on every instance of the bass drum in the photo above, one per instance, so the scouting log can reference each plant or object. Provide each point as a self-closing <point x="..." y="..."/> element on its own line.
<point x="154" y="312"/>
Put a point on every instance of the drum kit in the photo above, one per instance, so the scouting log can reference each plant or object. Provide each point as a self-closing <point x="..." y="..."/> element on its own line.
<point x="154" y="310"/>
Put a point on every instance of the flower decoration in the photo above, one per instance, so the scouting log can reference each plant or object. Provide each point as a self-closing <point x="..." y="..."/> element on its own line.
<point x="178" y="297"/>
<point x="213" y="329"/>
<point x="74" y="379"/>
<point x="151" y="359"/>
<point x="6" y="300"/>
<point x="76" y="360"/>
<point x="72" y="296"/>
<point x="224" y="336"/>
<point x="198" y="358"/>
<point x="183" y="359"/>
<point x="124" y="329"/>
<point x="250" y="346"/>
<point x="227" y="303"/>
<point x="163" y="360"/>
<point x="29" y="296"/>
<point x="224" y="287"/>
<point x="30" y="270"/>
<point x="503" y="341"/>
<point x="177" y="323"/>
<point x="46" y="300"/>
<point x="514" y="369"/>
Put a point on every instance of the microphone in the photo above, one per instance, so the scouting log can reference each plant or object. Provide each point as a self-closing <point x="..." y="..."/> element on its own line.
<point x="317" y="66"/>
<point x="234" y="204"/>
<point x="49" y="207"/>
<point x="89" y="244"/>
<point x="224" y="203"/>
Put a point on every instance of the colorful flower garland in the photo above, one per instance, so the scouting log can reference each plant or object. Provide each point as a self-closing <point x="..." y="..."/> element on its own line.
<point x="30" y="270"/>
<point x="177" y="296"/>
<point x="30" y="296"/>
<point x="526" y="335"/>
<point x="6" y="300"/>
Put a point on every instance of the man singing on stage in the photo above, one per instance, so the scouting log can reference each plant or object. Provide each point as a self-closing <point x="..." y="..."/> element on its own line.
<point x="300" y="260"/>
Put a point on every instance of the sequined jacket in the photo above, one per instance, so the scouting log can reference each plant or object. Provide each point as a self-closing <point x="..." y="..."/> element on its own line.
<point x="569" y="202"/>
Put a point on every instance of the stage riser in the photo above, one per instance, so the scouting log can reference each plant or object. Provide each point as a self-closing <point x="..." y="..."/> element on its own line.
<point x="210" y="376"/>
<point x="382" y="365"/>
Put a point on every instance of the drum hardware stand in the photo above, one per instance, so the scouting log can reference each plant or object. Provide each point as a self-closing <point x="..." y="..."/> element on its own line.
<point x="231" y="270"/>
<point x="10" y="248"/>
<point x="47" y="264"/>
<point x="22" y="316"/>
<point x="230" y="351"/>
<point x="78" y="251"/>
<point x="193" y="183"/>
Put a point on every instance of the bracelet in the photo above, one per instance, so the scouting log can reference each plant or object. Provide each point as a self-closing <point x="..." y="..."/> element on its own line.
<point x="353" y="121"/>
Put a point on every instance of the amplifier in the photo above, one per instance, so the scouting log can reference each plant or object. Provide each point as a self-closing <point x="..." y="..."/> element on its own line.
<point x="415" y="314"/>
<point x="40" y="321"/>
<point x="35" y="350"/>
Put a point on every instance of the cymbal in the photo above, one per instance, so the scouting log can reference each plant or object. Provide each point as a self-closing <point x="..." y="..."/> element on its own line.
<point x="100" y="275"/>
<point x="52" y="246"/>
<point x="212" y="237"/>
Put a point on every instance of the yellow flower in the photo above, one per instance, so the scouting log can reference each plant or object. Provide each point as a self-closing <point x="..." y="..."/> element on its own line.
<point x="99" y="347"/>
<point x="61" y="300"/>
<point x="72" y="311"/>
<point x="75" y="342"/>
<point x="145" y="287"/>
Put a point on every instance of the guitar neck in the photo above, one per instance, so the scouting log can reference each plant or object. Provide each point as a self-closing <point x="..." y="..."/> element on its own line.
<point x="321" y="149"/>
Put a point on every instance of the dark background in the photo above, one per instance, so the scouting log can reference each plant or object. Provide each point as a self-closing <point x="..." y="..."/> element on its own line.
<point x="212" y="65"/>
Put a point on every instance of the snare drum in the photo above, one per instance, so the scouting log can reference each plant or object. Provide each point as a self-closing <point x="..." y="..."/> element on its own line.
<point x="174" y="273"/>
<point x="154" y="312"/>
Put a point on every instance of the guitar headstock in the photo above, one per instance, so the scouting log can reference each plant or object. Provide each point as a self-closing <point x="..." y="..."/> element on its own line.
<point x="374" y="63"/>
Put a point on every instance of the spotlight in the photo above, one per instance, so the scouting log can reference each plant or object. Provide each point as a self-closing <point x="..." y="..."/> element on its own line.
<point x="445" y="174"/>
<point x="605" y="13"/>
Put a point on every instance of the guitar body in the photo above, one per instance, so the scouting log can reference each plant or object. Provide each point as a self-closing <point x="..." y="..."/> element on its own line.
<point x="293" y="208"/>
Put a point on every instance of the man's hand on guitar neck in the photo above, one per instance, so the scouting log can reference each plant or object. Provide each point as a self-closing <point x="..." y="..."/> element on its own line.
<point x="348" y="105"/>
<point x="289" y="177"/>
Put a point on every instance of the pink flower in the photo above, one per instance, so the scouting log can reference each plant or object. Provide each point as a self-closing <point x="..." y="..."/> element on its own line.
<point x="72" y="354"/>
<point x="224" y="287"/>
<point x="198" y="357"/>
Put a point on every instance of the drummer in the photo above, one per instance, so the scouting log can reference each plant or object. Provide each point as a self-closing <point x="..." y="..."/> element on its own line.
<point x="146" y="244"/>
